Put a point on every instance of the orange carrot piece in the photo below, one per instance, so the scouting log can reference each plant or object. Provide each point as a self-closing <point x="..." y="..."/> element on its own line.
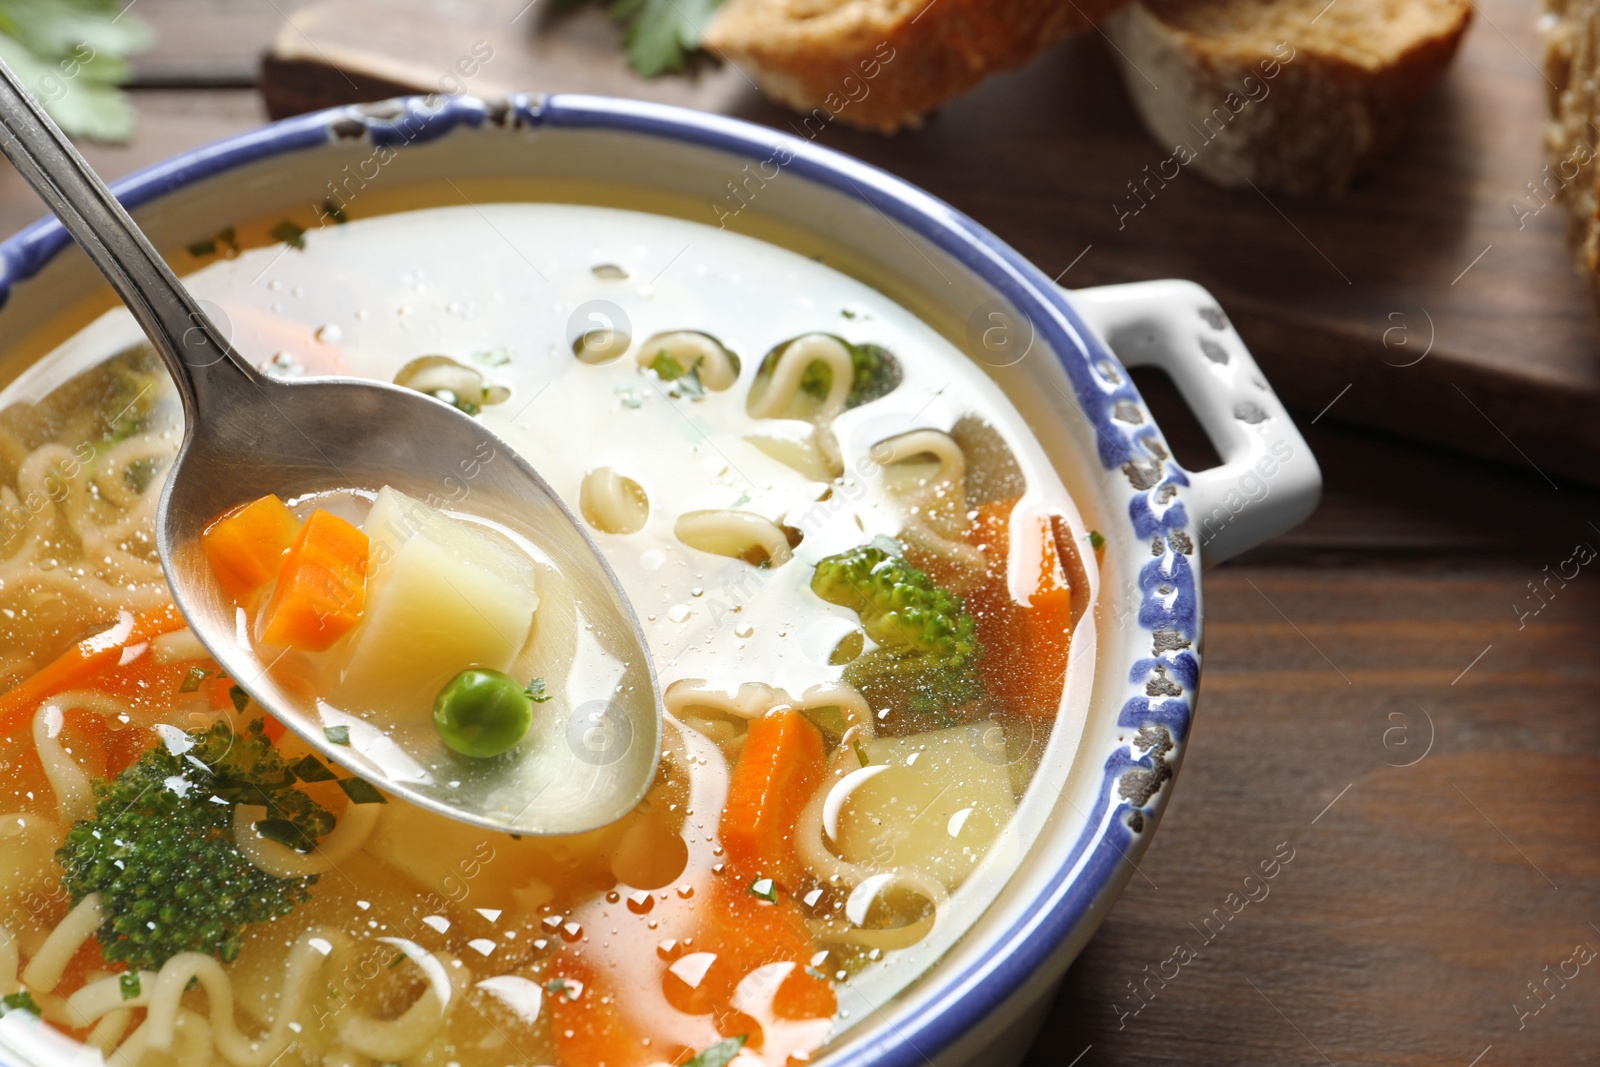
<point x="746" y="932"/>
<point x="1025" y="646"/>
<point x="588" y="1023"/>
<point x="82" y="661"/>
<point x="781" y="766"/>
<point x="245" y="546"/>
<point x="322" y="588"/>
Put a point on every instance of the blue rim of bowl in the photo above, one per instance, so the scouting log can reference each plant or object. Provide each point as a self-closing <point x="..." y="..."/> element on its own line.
<point x="1100" y="858"/>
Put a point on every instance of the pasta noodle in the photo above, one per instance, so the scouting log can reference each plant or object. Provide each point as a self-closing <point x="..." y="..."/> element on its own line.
<point x="280" y="861"/>
<point x="934" y="500"/>
<point x="161" y="994"/>
<point x="737" y="535"/>
<point x="690" y="350"/>
<point x="50" y="962"/>
<point x="612" y="502"/>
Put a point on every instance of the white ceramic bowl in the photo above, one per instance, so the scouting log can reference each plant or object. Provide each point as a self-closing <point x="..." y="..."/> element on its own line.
<point x="1060" y="356"/>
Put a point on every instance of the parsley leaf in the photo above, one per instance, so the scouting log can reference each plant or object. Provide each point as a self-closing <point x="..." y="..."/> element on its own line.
<point x="72" y="55"/>
<point x="659" y="34"/>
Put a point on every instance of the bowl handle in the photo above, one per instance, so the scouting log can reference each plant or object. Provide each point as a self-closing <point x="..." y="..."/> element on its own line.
<point x="1268" y="481"/>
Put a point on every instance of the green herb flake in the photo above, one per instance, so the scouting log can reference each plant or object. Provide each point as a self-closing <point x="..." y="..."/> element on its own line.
<point x="337" y="735"/>
<point x="130" y="986"/>
<point x="721" y="1054"/>
<point x="1096" y="542"/>
<point x="860" y="750"/>
<point x="284" y="833"/>
<point x="690" y="385"/>
<point x="19" y="1001"/>
<point x="192" y="679"/>
<point x="310" y="769"/>
<point x="497" y="357"/>
<point x="397" y="961"/>
<point x="536" y="691"/>
<point x="818" y="975"/>
<point x="766" y="889"/>
<point x="666" y="366"/>
<point x="240" y="699"/>
<point x="335" y="211"/>
<point x="290" y="234"/>
<point x="361" y="791"/>
<point x="198" y="249"/>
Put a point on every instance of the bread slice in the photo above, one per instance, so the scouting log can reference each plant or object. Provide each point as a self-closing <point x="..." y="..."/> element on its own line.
<point x="1571" y="32"/>
<point x="884" y="64"/>
<point x="1298" y="96"/>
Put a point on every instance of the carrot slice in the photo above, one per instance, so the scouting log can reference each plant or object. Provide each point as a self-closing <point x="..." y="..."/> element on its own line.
<point x="322" y="588"/>
<point x="245" y="546"/>
<point x="781" y="766"/>
<point x="588" y="1022"/>
<point x="1025" y="645"/>
<point x="84" y="660"/>
<point x="746" y="932"/>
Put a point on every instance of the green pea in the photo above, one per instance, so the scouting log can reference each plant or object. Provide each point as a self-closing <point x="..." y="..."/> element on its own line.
<point x="482" y="712"/>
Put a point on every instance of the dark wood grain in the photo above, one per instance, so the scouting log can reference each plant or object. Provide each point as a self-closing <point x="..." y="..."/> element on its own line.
<point x="1416" y="907"/>
<point x="1330" y="294"/>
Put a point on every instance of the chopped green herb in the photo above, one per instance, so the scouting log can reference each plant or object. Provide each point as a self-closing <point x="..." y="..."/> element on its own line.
<point x="666" y="366"/>
<point x="497" y="357"/>
<point x="282" y="831"/>
<point x="361" y="791"/>
<point x="397" y="961"/>
<point x="290" y="234"/>
<point x="721" y="1054"/>
<point x="1096" y="542"/>
<point x="818" y="975"/>
<point x="310" y="769"/>
<point x="335" y="211"/>
<point x="128" y="983"/>
<point x="847" y="313"/>
<point x="536" y="691"/>
<point x="337" y="735"/>
<point x="192" y="679"/>
<point x="766" y="889"/>
<point x="21" y="1000"/>
<point x="224" y="240"/>
<point x="861" y="751"/>
<point x="690" y="385"/>
<point x="239" y="697"/>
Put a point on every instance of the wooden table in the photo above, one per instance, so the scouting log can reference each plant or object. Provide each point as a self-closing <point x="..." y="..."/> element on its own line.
<point x="1421" y="899"/>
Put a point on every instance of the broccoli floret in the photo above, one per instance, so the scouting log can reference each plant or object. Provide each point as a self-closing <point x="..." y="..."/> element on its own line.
<point x="876" y="373"/>
<point x="160" y="849"/>
<point x="900" y="608"/>
<point x="925" y="662"/>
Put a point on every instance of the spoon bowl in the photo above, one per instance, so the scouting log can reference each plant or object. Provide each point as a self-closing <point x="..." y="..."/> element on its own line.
<point x="592" y="751"/>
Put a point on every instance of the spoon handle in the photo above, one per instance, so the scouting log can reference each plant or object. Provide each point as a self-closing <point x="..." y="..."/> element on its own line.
<point x="197" y="355"/>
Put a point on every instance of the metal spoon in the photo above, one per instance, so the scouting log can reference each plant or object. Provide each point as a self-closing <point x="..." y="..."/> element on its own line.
<point x="592" y="751"/>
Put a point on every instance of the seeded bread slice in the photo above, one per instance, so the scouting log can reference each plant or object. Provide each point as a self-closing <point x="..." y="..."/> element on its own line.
<point x="1571" y="32"/>
<point x="884" y="64"/>
<point x="1298" y="96"/>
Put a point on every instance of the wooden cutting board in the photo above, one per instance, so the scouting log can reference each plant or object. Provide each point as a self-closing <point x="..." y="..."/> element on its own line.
<point x="1437" y="300"/>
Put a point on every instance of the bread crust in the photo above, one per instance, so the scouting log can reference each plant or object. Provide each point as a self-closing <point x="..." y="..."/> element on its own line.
<point x="1304" y="116"/>
<point x="884" y="64"/>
